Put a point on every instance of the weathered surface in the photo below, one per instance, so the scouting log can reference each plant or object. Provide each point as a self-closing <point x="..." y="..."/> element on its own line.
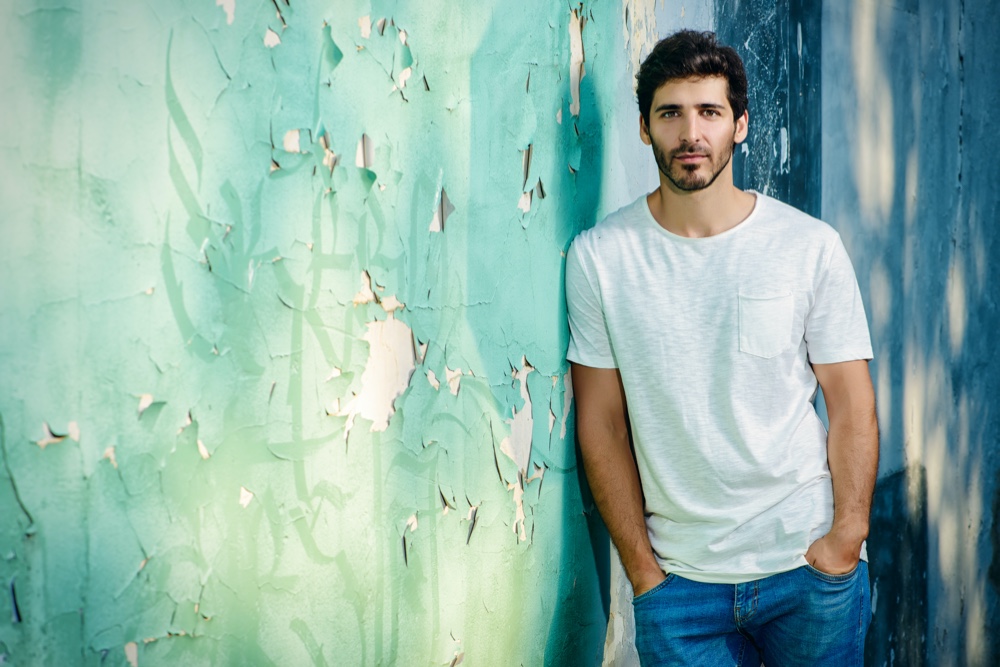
<point x="283" y="334"/>
<point x="909" y="179"/>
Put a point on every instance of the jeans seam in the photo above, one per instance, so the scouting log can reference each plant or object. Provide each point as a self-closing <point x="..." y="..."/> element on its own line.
<point x="833" y="578"/>
<point x="652" y="590"/>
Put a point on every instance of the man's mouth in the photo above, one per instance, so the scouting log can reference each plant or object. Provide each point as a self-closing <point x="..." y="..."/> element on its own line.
<point x="690" y="157"/>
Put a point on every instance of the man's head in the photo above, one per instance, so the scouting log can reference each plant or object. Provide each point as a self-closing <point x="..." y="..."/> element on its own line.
<point x="692" y="98"/>
<point x="688" y="54"/>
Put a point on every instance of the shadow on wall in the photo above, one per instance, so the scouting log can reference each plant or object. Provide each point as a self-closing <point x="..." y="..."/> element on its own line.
<point x="910" y="182"/>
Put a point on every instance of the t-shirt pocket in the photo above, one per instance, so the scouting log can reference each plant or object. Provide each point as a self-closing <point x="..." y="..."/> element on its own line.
<point x="765" y="323"/>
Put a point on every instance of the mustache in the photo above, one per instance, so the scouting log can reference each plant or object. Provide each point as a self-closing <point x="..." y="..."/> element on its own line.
<point x="686" y="150"/>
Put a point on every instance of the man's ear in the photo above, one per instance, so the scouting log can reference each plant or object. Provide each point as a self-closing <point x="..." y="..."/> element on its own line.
<point x="644" y="131"/>
<point x="742" y="128"/>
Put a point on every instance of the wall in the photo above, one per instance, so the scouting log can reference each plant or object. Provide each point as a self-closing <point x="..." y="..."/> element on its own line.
<point x="283" y="335"/>
<point x="909" y="178"/>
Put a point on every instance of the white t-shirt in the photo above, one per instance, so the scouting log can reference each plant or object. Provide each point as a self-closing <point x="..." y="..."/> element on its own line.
<point x="713" y="338"/>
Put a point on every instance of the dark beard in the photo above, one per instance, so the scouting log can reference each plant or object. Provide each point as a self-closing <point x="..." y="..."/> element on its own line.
<point x="687" y="179"/>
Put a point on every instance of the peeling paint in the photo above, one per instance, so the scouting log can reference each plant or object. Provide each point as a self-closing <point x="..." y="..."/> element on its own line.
<point x="518" y="445"/>
<point x="229" y="7"/>
<point x="387" y="372"/>
<point x="576" y="58"/>
<point x="267" y="334"/>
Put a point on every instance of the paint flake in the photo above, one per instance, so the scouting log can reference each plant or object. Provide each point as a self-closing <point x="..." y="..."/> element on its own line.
<point x="290" y="143"/>
<point x="364" y="157"/>
<point x="524" y="204"/>
<point x="453" y="378"/>
<point x="391" y="303"/>
<point x="576" y="59"/>
<point x="271" y="39"/>
<point x="49" y="437"/>
<point x="526" y="163"/>
<point x="228" y="6"/>
<point x="519" y="515"/>
<point x="411" y="523"/>
<point x="472" y="518"/>
<point x="783" y="141"/>
<point x="518" y="445"/>
<point x="387" y="372"/>
<point x="145" y="400"/>
<point x="202" y="450"/>
<point x="442" y="209"/>
<point x="245" y="496"/>
<point x="432" y="379"/>
<point x="132" y="649"/>
<point x="365" y="294"/>
<point x="404" y="77"/>
<point x="567" y="401"/>
<point x="109" y="454"/>
<point x="365" y="23"/>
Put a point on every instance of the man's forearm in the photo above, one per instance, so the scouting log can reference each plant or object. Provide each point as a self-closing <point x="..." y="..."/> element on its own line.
<point x="852" y="453"/>
<point x="614" y="482"/>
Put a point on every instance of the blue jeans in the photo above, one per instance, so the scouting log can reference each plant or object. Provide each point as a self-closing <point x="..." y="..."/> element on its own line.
<point x="796" y="618"/>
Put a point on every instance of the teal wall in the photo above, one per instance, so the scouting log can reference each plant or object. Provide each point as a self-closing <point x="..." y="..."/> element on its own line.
<point x="218" y="446"/>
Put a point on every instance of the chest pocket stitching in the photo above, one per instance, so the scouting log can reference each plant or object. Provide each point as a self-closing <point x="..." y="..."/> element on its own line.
<point x="765" y="323"/>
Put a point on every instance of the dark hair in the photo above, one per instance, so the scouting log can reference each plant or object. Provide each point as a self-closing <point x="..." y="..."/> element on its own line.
<point x="686" y="54"/>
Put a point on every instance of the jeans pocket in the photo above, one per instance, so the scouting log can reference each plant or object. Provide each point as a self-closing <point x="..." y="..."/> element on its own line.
<point x="765" y="322"/>
<point x="653" y="591"/>
<point x="832" y="578"/>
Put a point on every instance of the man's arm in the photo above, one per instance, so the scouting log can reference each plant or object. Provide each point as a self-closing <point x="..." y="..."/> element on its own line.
<point x="852" y="452"/>
<point x="614" y="480"/>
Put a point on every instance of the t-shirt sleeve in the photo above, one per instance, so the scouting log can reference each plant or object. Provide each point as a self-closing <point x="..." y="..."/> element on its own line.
<point x="836" y="327"/>
<point x="589" y="341"/>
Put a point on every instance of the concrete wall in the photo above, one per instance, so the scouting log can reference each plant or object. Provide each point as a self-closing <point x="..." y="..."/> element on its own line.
<point x="910" y="179"/>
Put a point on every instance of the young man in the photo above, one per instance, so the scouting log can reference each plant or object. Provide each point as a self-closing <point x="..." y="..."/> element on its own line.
<point x="702" y="318"/>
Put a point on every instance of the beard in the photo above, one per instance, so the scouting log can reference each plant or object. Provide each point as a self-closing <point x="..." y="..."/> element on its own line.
<point x="688" y="178"/>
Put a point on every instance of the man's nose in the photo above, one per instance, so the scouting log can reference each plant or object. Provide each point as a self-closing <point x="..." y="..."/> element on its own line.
<point x="690" y="130"/>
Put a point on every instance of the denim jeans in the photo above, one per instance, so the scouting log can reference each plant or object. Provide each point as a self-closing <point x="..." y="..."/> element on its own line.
<point x="792" y="619"/>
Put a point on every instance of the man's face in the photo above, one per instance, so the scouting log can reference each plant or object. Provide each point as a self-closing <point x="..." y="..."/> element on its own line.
<point x="692" y="131"/>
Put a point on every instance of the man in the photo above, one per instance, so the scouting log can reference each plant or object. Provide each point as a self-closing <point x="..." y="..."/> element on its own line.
<point x="702" y="318"/>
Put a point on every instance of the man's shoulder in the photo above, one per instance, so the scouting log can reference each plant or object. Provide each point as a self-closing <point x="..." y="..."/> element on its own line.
<point x="797" y="224"/>
<point x="795" y="227"/>
<point x="614" y="224"/>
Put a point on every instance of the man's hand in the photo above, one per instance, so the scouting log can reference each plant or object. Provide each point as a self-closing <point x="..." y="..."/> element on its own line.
<point x="834" y="553"/>
<point x="647" y="581"/>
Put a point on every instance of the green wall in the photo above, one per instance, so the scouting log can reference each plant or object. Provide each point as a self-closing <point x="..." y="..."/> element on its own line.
<point x="254" y="409"/>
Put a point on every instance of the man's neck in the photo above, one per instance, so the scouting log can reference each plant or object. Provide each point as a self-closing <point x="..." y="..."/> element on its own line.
<point x="708" y="212"/>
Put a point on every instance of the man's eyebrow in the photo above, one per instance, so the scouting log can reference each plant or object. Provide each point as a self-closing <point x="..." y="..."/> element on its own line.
<point x="701" y="105"/>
